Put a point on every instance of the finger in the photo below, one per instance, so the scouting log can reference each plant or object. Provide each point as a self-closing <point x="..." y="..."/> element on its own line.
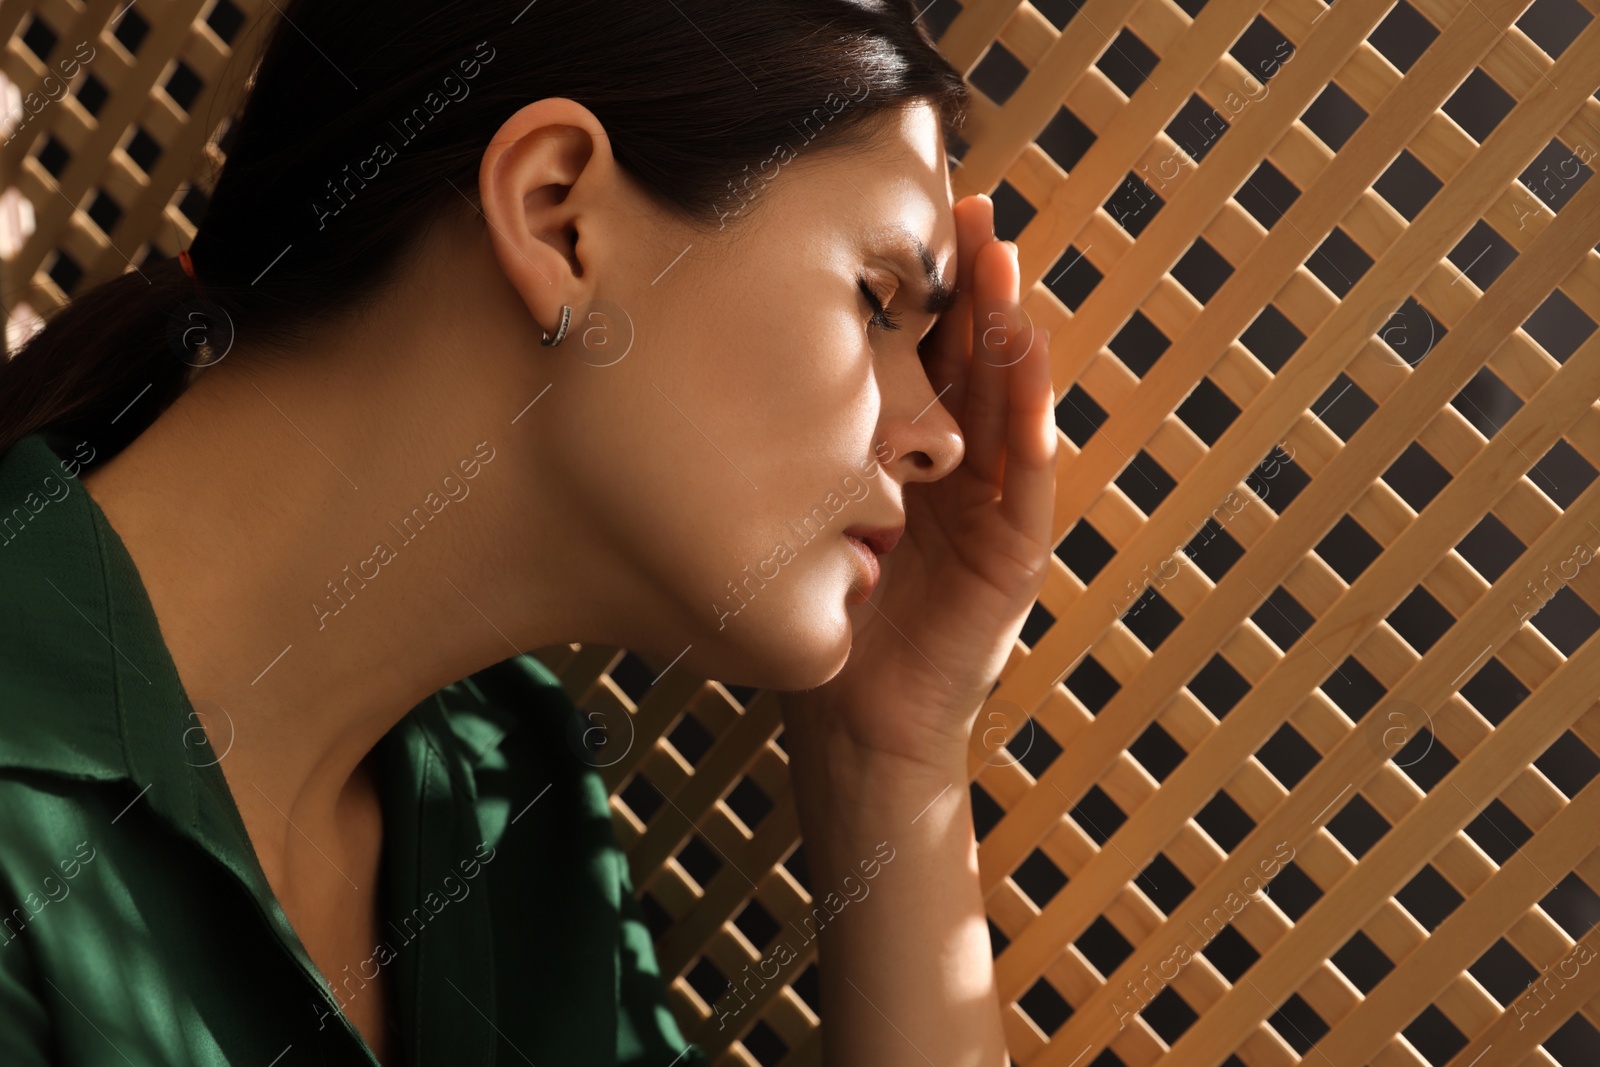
<point x="948" y="345"/>
<point x="995" y="336"/>
<point x="1027" y="497"/>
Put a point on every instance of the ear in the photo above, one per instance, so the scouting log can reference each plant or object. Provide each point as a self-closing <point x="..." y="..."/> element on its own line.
<point x="534" y="184"/>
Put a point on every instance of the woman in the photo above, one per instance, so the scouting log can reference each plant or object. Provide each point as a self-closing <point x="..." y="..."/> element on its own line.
<point x="509" y="326"/>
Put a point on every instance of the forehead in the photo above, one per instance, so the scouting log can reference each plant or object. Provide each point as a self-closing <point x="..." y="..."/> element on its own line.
<point x="899" y="184"/>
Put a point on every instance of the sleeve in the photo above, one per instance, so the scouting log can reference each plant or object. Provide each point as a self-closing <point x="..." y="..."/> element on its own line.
<point x="25" y="1029"/>
<point x="647" y="1033"/>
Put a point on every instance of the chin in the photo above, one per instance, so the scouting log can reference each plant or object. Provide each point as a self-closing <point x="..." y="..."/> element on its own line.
<point x="800" y="646"/>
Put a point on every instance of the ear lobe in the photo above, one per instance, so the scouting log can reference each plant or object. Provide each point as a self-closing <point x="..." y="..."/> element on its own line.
<point x="529" y="171"/>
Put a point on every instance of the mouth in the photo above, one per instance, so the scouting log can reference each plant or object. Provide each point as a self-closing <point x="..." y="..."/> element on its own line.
<point x="870" y="543"/>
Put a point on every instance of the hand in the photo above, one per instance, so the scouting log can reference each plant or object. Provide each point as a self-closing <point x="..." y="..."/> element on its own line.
<point x="953" y="596"/>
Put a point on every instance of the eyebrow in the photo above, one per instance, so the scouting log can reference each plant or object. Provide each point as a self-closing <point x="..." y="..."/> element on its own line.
<point x="938" y="296"/>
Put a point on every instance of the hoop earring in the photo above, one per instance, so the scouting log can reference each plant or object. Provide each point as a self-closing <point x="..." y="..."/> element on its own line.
<point x="561" y="331"/>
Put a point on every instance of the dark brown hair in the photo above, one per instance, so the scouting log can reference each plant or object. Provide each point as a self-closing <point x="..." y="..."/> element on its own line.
<point x="364" y="122"/>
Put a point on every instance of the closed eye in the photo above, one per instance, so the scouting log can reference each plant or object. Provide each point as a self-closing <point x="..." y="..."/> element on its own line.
<point x="881" y="316"/>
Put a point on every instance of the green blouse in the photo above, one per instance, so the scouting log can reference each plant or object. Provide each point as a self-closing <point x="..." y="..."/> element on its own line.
<point x="136" y="925"/>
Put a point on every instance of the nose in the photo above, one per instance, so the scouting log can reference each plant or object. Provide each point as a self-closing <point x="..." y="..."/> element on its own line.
<point x="926" y="442"/>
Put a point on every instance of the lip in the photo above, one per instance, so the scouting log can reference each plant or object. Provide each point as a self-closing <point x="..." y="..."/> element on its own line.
<point x="880" y="540"/>
<point x="869" y="563"/>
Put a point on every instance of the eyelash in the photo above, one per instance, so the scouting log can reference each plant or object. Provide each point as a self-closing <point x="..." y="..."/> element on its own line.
<point x="881" y="316"/>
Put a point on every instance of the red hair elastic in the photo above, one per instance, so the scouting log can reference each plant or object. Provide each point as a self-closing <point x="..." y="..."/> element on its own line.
<point x="188" y="264"/>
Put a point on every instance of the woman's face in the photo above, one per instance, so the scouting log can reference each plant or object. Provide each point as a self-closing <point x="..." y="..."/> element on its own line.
<point x="730" y="403"/>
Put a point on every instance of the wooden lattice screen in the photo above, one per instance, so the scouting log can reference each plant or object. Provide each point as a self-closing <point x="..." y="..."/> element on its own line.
<point x="1328" y="375"/>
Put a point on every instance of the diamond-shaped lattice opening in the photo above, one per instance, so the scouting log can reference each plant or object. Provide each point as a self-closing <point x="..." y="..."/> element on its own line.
<point x="1047" y="1008"/>
<point x="1435" y="1036"/>
<point x="1139" y="344"/>
<point x="1494" y="691"/>
<point x="1408" y="334"/>
<point x="1553" y="24"/>
<point x="1194" y="130"/>
<point x="699" y="860"/>
<point x="1037" y="625"/>
<point x="998" y="74"/>
<point x="131" y="29"/>
<point x="1213" y="549"/>
<point x="1092" y="685"/>
<point x="92" y="94"/>
<point x="1152" y="619"/>
<point x="1421" y="619"/>
<point x="1207" y="411"/>
<point x="1575" y="1041"/>
<point x="1282" y="619"/>
<point x="1498" y="831"/>
<point x="1039" y="878"/>
<point x="183" y="85"/>
<point x="1490" y="548"/>
<point x="1146" y="483"/>
<point x="633" y="676"/>
<point x="1272" y="338"/>
<point x="1407" y="185"/>
<point x="1503" y="971"/>
<point x="40" y="38"/>
<point x="104" y="211"/>
<point x="1288" y="755"/>
<point x="1157" y="752"/>
<point x="1277" y="480"/>
<point x="1293" y="891"/>
<point x="1219" y="687"/>
<point x="642" y="797"/>
<point x="1557" y="173"/>
<point x="707" y="981"/>
<point x="1084" y="551"/>
<point x="1562" y="474"/>
<point x="757" y="924"/>
<point x="1169" y="1015"/>
<point x="1428" y="897"/>
<point x="1030" y="745"/>
<point x="1065" y="139"/>
<point x="1164" y="884"/>
<point x="1012" y="212"/>
<point x="1559" y="325"/>
<point x="764" y="1044"/>
<point x="1128" y="62"/>
<point x="225" y="20"/>
<point x="1262" y="50"/>
<point x="1482" y="255"/>
<point x="1348" y="549"/>
<point x="142" y="149"/>
<point x="65" y="272"/>
<point x="1361" y="961"/>
<point x="1566" y="621"/>
<point x="1403" y="36"/>
<point x="1333" y="117"/>
<point x="1343" y="407"/>
<point x="1569" y="764"/>
<point x="1103" y="946"/>
<point x="749" y="802"/>
<point x="1479" y="105"/>
<point x="1339" y="262"/>
<point x="691" y="739"/>
<point x="53" y="156"/>
<point x="1072" y="278"/>
<point x="193" y="204"/>
<point x="1297" y="1024"/>
<point x="1357" y="825"/>
<point x="1098" y="815"/>
<point x="1486" y="403"/>
<point x="1133" y="204"/>
<point x="1202" y="271"/>
<point x="1224" y="947"/>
